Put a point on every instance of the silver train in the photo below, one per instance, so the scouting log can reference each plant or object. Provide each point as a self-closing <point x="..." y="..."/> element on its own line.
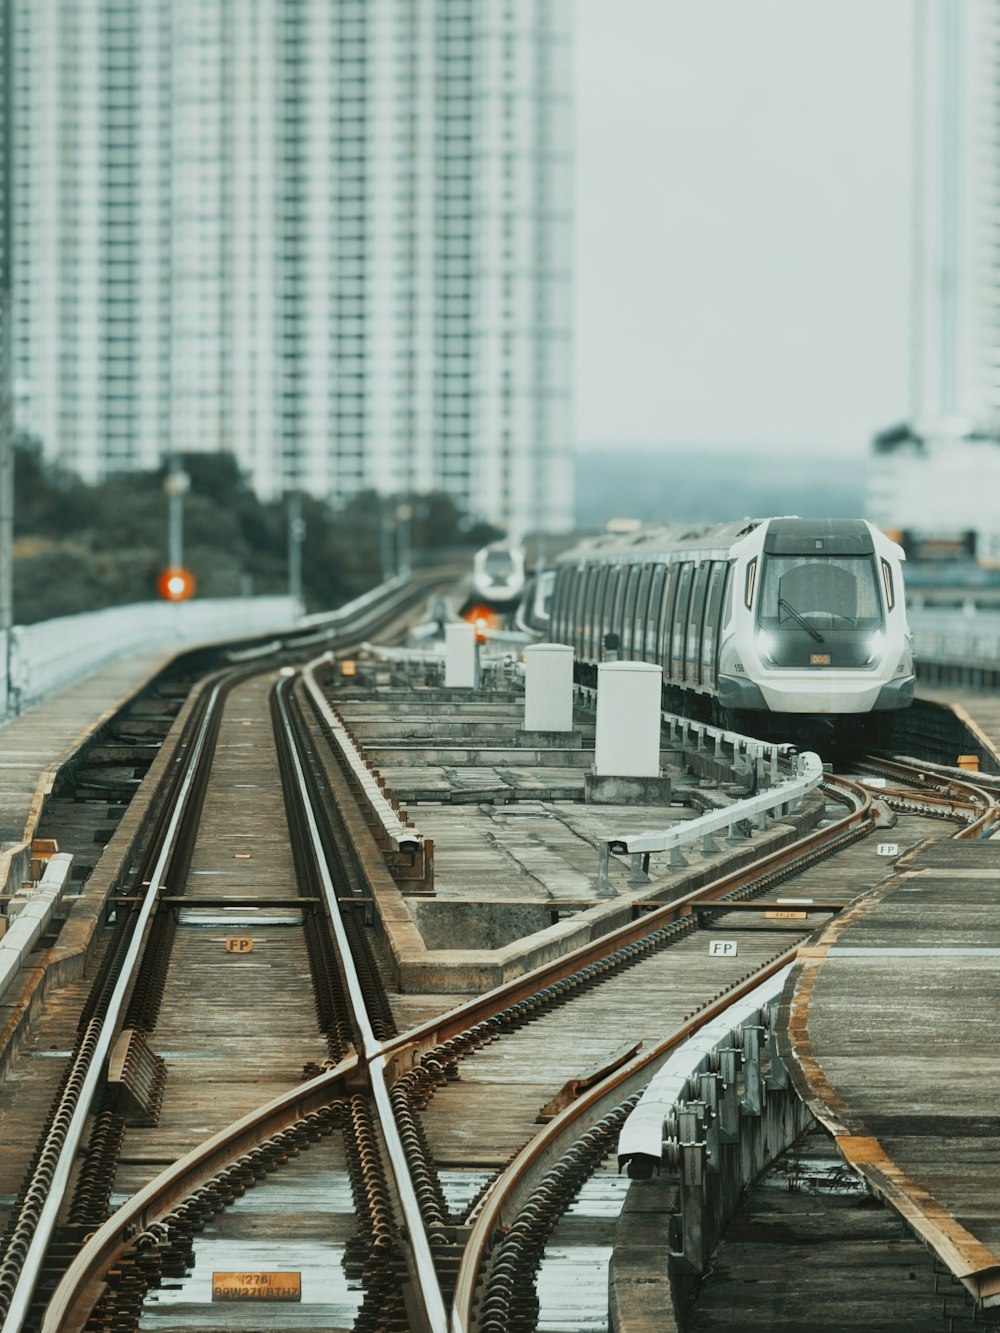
<point x="498" y="575"/>
<point x="773" y="616"/>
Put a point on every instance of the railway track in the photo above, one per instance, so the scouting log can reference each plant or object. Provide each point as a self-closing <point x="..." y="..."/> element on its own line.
<point x="463" y="1140"/>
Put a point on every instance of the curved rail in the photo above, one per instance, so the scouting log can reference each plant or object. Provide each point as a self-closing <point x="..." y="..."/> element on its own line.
<point x="404" y="1051"/>
<point x="86" y="1075"/>
<point x="945" y="790"/>
<point x="507" y="1193"/>
<point x="429" y="1290"/>
<point x="388" y="1059"/>
<point x="80" y="1286"/>
<point x="22" y="1262"/>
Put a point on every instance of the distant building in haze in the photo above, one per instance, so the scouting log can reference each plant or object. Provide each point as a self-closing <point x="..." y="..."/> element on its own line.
<point x="332" y="237"/>
<point x="922" y="475"/>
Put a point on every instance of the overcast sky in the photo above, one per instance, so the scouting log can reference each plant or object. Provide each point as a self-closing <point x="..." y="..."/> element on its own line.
<point x="742" y="220"/>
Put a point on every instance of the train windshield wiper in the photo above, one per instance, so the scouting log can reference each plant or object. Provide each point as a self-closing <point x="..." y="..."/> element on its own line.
<point x="796" y="615"/>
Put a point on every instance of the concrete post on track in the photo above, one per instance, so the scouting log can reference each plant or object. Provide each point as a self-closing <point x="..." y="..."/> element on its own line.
<point x="627" y="747"/>
<point x="548" y="697"/>
<point x="461" y="662"/>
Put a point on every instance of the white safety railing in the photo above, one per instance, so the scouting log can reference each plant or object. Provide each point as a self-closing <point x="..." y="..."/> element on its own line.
<point x="656" y="1127"/>
<point x="53" y="653"/>
<point x="780" y="798"/>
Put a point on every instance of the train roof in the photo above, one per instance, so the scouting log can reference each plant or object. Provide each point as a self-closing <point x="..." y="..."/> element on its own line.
<point x="659" y="538"/>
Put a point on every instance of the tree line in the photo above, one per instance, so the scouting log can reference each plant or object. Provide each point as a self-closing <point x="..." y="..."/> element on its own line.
<point x="81" y="546"/>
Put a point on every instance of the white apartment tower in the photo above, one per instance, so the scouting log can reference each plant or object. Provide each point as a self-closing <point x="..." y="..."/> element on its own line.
<point x="956" y="253"/>
<point x="332" y="237"/>
<point x="937" y="476"/>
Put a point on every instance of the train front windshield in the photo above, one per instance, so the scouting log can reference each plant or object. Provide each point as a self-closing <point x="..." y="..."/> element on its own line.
<point x="499" y="564"/>
<point x="819" y="610"/>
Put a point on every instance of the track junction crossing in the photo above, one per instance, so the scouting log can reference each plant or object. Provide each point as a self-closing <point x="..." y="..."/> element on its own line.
<point x="353" y="910"/>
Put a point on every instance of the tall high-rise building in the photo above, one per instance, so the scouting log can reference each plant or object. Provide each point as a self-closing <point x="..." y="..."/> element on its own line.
<point x="935" y="476"/>
<point x="956" y="244"/>
<point x="332" y="237"/>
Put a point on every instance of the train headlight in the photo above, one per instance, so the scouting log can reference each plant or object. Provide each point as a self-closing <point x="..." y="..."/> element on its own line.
<point x="765" y="643"/>
<point x="875" y="646"/>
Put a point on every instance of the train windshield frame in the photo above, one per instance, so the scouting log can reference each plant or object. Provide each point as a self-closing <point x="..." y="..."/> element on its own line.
<point x="817" y="593"/>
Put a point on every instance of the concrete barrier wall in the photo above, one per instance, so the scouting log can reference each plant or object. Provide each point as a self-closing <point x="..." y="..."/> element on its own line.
<point x="54" y="653"/>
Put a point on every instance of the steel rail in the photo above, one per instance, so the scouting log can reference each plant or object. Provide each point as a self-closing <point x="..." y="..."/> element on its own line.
<point x="380" y="1053"/>
<point x="428" y="1286"/>
<point x="949" y="787"/>
<point x="48" y="1216"/>
<point x="84" y="1078"/>
<point x="507" y="1192"/>
<point x="80" y="1286"/>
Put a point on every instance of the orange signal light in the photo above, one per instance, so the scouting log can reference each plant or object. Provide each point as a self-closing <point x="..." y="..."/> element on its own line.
<point x="176" y="584"/>
<point x="483" y="619"/>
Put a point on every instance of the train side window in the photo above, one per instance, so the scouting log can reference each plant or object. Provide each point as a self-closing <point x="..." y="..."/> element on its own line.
<point x="680" y="621"/>
<point x="570" y="607"/>
<point x="581" y="580"/>
<point x="710" y="632"/>
<point x="890" y="592"/>
<point x="558" y="605"/>
<point x="602" y="609"/>
<point x="727" y="601"/>
<point x="667" y="616"/>
<point x="654" y="612"/>
<point x="639" y="616"/>
<point x="696" y="614"/>
<point x="600" y="587"/>
<point x="568" y="603"/>
<point x="751" y="583"/>
<point x="574" y="607"/>
<point x="616" y="594"/>
<point x="587" y="612"/>
<point x="628" y="624"/>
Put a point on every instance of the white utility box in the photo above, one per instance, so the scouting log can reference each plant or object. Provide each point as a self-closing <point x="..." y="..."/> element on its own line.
<point x="628" y="720"/>
<point x="461" y="656"/>
<point x="548" y="687"/>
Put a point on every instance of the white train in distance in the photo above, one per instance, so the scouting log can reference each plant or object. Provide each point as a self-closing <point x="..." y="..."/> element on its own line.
<point x="755" y="623"/>
<point x="498" y="575"/>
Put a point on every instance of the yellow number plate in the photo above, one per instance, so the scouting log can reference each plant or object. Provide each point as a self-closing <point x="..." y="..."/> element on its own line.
<point x="256" y="1286"/>
<point x="819" y="659"/>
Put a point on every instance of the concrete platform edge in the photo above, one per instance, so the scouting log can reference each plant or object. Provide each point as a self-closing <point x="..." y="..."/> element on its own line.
<point x="15" y="860"/>
<point x="68" y="959"/>
<point x="974" y="1264"/>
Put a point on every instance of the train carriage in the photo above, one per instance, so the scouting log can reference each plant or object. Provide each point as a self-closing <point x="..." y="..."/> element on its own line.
<point x="774" y="616"/>
<point x="498" y="574"/>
